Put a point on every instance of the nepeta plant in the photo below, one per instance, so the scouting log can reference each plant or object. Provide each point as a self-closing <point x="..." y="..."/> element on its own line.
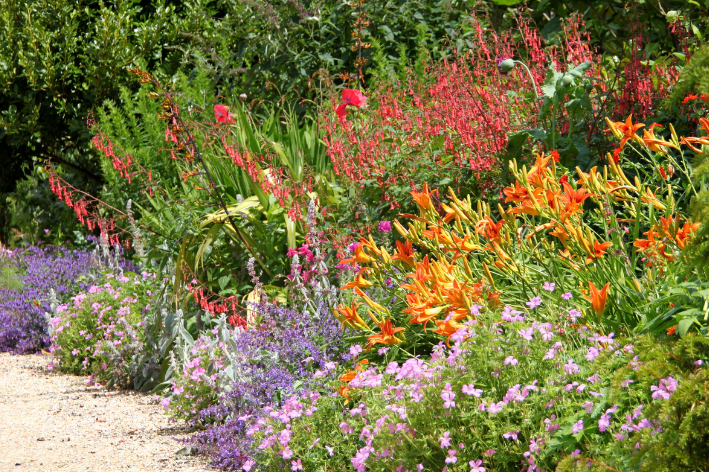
<point x="35" y="271"/>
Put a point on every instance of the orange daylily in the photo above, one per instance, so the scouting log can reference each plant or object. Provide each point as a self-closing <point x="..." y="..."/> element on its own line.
<point x="653" y="143"/>
<point x="649" y="197"/>
<point x="517" y="194"/>
<point x="405" y="253"/>
<point x="573" y="199"/>
<point x="598" y="250"/>
<point x="359" y="281"/>
<point x="423" y="198"/>
<point x="450" y="213"/>
<point x="447" y="329"/>
<point x="598" y="298"/>
<point x="536" y="176"/>
<point x="644" y="244"/>
<point x="489" y="229"/>
<point x="685" y="233"/>
<point x="360" y="257"/>
<point x="387" y="336"/>
<point x="627" y="130"/>
<point x="350" y="317"/>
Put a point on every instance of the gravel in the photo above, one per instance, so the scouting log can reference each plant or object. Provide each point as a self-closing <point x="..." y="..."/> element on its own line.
<point x="55" y="422"/>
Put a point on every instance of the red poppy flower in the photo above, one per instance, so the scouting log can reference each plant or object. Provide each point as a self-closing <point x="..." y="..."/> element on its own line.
<point x="350" y="97"/>
<point x="222" y="115"/>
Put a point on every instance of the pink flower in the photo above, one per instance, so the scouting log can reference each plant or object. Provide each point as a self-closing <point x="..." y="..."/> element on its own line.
<point x="471" y="390"/>
<point x="222" y="115"/>
<point x="385" y="226"/>
<point x="445" y="440"/>
<point x="296" y="465"/>
<point x="511" y="435"/>
<point x="476" y="466"/>
<point x="510" y="360"/>
<point x="577" y="427"/>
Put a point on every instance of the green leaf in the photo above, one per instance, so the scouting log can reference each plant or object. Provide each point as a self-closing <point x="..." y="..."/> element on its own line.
<point x="684" y="325"/>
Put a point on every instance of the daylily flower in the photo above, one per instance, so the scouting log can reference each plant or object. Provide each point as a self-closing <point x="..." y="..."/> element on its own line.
<point x="423" y="198"/>
<point x="626" y="130"/>
<point x="654" y="144"/>
<point x="350" y="97"/>
<point x="350" y="317"/>
<point x="598" y="298"/>
<point x="222" y="115"/>
<point x="405" y="253"/>
<point x="387" y="336"/>
<point x="359" y="281"/>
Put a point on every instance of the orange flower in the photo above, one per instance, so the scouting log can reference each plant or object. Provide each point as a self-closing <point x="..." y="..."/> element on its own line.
<point x="671" y="330"/>
<point x="598" y="250"/>
<point x="423" y="198"/>
<point x="359" y="281"/>
<point x="447" y="329"/>
<point x="360" y="257"/>
<point x="517" y="194"/>
<point x="685" y="233"/>
<point x="627" y="130"/>
<point x="387" y="336"/>
<point x="405" y="253"/>
<point x="450" y="213"/>
<point x="536" y="176"/>
<point x="598" y="298"/>
<point x="653" y="143"/>
<point x="350" y="317"/>
<point x="649" y="243"/>
<point x="489" y="229"/>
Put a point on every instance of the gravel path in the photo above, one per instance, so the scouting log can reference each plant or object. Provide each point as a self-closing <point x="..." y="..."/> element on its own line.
<point x="55" y="422"/>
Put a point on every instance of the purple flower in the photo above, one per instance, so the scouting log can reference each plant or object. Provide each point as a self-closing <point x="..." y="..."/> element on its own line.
<point x="567" y="296"/>
<point x="476" y="466"/>
<point x="571" y="367"/>
<point x="527" y="333"/>
<point x="578" y="426"/>
<point x="451" y="459"/>
<point x="445" y="440"/>
<point x="511" y="435"/>
<point x="549" y="286"/>
<point x="385" y="226"/>
<point x="534" y="302"/>
<point x="511" y="360"/>
<point x="604" y="423"/>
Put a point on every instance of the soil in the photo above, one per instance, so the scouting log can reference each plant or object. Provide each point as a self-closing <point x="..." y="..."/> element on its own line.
<point x="55" y="422"/>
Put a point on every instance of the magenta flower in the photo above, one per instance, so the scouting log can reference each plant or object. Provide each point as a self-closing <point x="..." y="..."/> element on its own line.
<point x="511" y="360"/>
<point x="385" y="226"/>
<point x="445" y="440"/>
<point x="296" y="465"/>
<point x="511" y="435"/>
<point x="567" y="296"/>
<point x="549" y="287"/>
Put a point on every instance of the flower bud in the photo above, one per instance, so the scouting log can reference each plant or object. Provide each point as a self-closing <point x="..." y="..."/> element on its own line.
<point x="567" y="80"/>
<point x="505" y="64"/>
<point x="242" y="97"/>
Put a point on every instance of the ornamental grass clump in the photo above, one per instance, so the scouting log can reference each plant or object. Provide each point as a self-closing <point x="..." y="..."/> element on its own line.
<point x="517" y="390"/>
<point x="607" y="239"/>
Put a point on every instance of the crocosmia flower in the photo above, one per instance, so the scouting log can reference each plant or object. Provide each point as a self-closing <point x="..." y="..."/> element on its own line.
<point x="350" y="97"/>
<point x="222" y="115"/>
